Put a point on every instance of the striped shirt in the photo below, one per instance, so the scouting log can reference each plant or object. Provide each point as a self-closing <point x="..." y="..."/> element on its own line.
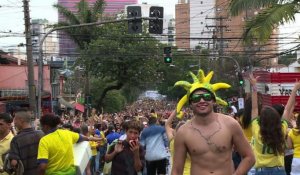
<point x="24" y="147"/>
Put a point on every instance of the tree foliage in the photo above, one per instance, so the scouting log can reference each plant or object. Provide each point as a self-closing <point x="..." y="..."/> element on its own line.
<point x="85" y="14"/>
<point x="121" y="59"/>
<point x="287" y="59"/>
<point x="272" y="14"/>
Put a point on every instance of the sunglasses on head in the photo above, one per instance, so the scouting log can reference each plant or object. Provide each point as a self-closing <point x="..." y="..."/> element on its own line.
<point x="197" y="97"/>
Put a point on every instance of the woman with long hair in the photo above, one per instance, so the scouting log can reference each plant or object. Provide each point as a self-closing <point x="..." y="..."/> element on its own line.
<point x="245" y="119"/>
<point x="269" y="132"/>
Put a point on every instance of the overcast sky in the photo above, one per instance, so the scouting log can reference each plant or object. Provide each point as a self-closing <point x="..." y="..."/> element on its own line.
<point x="12" y="19"/>
<point x="12" y="16"/>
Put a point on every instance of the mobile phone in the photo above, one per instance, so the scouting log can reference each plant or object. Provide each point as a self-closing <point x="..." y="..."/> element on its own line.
<point x="133" y="142"/>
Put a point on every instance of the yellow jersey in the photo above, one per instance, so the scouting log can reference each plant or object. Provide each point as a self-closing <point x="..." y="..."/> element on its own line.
<point x="264" y="155"/>
<point x="56" y="149"/>
<point x="248" y="133"/>
<point x="294" y="134"/>
<point x="4" y="148"/>
<point x="103" y="141"/>
<point x="93" y="146"/>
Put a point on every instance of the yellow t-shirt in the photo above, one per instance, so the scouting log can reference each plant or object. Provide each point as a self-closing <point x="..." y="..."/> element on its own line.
<point x="248" y="133"/>
<point x="93" y="145"/>
<point x="153" y="115"/>
<point x="263" y="154"/>
<point x="187" y="164"/>
<point x="295" y="137"/>
<point x="102" y="142"/>
<point x="56" y="149"/>
<point x="4" y="147"/>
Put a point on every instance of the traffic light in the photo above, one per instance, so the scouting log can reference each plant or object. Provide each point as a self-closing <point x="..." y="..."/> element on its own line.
<point x="156" y="25"/>
<point x="134" y="25"/>
<point x="168" y="55"/>
<point x="241" y="79"/>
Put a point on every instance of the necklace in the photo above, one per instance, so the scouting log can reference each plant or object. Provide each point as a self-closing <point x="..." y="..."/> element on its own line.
<point x="208" y="139"/>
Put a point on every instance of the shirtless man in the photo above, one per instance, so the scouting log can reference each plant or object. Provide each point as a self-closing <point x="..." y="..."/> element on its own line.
<point x="209" y="138"/>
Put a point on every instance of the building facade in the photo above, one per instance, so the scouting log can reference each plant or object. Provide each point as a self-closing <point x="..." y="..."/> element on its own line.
<point x="182" y="25"/>
<point x="207" y="24"/>
<point x="50" y="44"/>
<point x="202" y="22"/>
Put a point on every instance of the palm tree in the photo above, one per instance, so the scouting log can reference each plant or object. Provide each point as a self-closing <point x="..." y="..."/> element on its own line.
<point x="85" y="14"/>
<point x="273" y="14"/>
<point x="82" y="36"/>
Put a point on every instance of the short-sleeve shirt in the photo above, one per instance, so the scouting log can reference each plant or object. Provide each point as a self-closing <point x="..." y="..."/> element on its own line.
<point x="56" y="149"/>
<point x="24" y="147"/>
<point x="4" y="147"/>
<point x="264" y="155"/>
<point x="93" y="145"/>
<point x="294" y="134"/>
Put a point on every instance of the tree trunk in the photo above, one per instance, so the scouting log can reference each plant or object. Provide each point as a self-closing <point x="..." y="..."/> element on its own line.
<point x="118" y="86"/>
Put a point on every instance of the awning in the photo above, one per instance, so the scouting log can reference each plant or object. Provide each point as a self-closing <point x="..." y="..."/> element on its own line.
<point x="79" y="107"/>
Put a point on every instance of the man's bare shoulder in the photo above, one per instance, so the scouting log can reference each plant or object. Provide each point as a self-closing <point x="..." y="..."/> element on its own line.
<point x="227" y="120"/>
<point x="184" y="128"/>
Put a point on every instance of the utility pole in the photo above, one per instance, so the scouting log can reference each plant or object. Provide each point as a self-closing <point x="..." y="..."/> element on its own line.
<point x="218" y="41"/>
<point x="220" y="28"/>
<point x="30" y="67"/>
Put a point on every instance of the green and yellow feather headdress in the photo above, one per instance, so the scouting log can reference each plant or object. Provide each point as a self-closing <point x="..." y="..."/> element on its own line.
<point x="200" y="82"/>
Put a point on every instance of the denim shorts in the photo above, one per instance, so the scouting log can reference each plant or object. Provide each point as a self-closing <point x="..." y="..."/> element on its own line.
<point x="270" y="171"/>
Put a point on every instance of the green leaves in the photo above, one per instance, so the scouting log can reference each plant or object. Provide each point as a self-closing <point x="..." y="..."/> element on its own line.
<point x="261" y="27"/>
<point x="71" y="17"/>
<point x="272" y="13"/>
<point x="85" y="14"/>
<point x="236" y="7"/>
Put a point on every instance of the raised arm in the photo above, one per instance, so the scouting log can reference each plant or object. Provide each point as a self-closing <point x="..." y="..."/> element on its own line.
<point x="291" y="102"/>
<point x="254" y="111"/>
<point x="168" y="125"/>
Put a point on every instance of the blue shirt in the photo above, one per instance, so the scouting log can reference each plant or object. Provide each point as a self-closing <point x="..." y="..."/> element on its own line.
<point x="155" y="141"/>
<point x="97" y="132"/>
<point x="112" y="136"/>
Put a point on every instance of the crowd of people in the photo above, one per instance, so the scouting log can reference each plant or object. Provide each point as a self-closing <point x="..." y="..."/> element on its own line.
<point x="148" y="139"/>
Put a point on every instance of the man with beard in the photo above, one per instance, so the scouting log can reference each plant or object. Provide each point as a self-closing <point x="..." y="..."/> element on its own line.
<point x="209" y="137"/>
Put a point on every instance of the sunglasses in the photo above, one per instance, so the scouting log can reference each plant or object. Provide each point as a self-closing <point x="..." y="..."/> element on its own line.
<point x="195" y="98"/>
